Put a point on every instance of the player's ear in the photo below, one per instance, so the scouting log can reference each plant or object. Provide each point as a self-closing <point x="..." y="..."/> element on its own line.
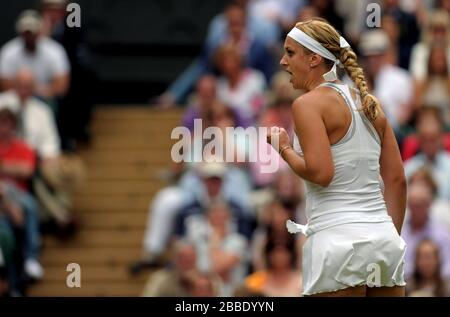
<point x="314" y="60"/>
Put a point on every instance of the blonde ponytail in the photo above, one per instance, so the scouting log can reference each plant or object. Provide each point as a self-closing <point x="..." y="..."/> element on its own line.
<point x="370" y="104"/>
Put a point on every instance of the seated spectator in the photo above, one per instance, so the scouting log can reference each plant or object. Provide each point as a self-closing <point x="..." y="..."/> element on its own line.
<point x="278" y="13"/>
<point x="436" y="33"/>
<point x="420" y="225"/>
<point x="230" y="30"/>
<point x="203" y="105"/>
<point x="409" y="32"/>
<point x="76" y="106"/>
<point x="240" y="87"/>
<point x="36" y="125"/>
<point x="272" y="228"/>
<point x="426" y="115"/>
<point x="179" y="280"/>
<point x="266" y="33"/>
<point x="427" y="280"/>
<point x="190" y="194"/>
<point x="390" y="26"/>
<point x="434" y="89"/>
<point x="326" y="10"/>
<point x="10" y="214"/>
<point x="432" y="154"/>
<point x="390" y="84"/>
<point x="220" y="249"/>
<point x="440" y="208"/>
<point x="306" y="13"/>
<point x="281" y="276"/>
<point x="216" y="182"/>
<point x="44" y="56"/>
<point x="17" y="166"/>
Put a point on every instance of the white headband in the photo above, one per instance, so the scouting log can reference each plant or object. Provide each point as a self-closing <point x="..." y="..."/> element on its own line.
<point x="311" y="44"/>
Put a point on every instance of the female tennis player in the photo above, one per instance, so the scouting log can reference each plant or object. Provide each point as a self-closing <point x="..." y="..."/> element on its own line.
<point x="343" y="143"/>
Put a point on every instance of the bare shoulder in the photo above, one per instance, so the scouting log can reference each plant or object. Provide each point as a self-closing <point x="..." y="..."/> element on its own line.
<point x="315" y="100"/>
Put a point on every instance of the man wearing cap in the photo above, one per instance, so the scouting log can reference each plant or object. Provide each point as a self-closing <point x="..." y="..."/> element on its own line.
<point x="391" y="84"/>
<point x="213" y="176"/>
<point x="45" y="57"/>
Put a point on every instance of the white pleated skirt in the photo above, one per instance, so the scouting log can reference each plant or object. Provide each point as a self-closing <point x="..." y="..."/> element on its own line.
<point x="353" y="254"/>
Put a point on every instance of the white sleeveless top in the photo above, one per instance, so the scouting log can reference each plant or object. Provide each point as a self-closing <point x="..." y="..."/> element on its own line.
<point x="354" y="194"/>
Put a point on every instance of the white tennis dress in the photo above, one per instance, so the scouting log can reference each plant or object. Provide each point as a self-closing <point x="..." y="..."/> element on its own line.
<point x="351" y="239"/>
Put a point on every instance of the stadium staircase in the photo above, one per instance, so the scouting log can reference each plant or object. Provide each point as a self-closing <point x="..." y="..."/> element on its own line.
<point x="130" y="146"/>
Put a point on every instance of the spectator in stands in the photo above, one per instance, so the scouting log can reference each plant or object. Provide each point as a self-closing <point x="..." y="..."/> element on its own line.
<point x="432" y="154"/>
<point x="326" y="10"/>
<point x="280" y="14"/>
<point x="307" y="13"/>
<point x="240" y="87"/>
<point x="427" y="279"/>
<point x="420" y="225"/>
<point x="45" y="57"/>
<point x="281" y="277"/>
<point x="216" y="182"/>
<point x="220" y="248"/>
<point x="202" y="103"/>
<point x="272" y="228"/>
<point x="37" y="127"/>
<point x="76" y="106"/>
<point x="17" y="165"/>
<point x="440" y="208"/>
<point x="10" y="214"/>
<point x="390" y="26"/>
<point x="257" y="27"/>
<point x="252" y="51"/>
<point x="434" y="89"/>
<point x="436" y="33"/>
<point x="409" y="29"/>
<point x="190" y="194"/>
<point x="425" y="116"/>
<point x="175" y="281"/>
<point x="390" y="84"/>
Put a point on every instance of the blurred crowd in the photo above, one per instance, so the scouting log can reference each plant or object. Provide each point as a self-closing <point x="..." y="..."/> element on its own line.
<point x="44" y="114"/>
<point x="219" y="229"/>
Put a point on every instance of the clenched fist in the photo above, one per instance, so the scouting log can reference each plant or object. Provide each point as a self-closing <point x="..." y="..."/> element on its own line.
<point x="278" y="138"/>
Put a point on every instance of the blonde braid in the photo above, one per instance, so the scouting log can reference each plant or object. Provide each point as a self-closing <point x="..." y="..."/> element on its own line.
<point x="370" y="104"/>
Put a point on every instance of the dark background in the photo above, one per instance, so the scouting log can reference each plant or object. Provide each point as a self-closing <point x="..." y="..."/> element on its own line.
<point x="138" y="46"/>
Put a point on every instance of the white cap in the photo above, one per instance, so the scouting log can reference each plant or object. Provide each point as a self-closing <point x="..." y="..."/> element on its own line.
<point x="374" y="43"/>
<point x="29" y="20"/>
<point x="213" y="169"/>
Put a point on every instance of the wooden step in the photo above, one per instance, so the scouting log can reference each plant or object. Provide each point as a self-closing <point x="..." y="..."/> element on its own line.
<point x="103" y="256"/>
<point x="129" y="112"/>
<point x="122" y="187"/>
<point x="93" y="274"/>
<point x="99" y="238"/>
<point x="112" y="203"/>
<point x="100" y="289"/>
<point x="143" y="157"/>
<point x="114" y="220"/>
<point x="121" y="171"/>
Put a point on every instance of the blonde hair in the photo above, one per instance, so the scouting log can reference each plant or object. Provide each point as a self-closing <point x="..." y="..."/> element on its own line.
<point x="325" y="34"/>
